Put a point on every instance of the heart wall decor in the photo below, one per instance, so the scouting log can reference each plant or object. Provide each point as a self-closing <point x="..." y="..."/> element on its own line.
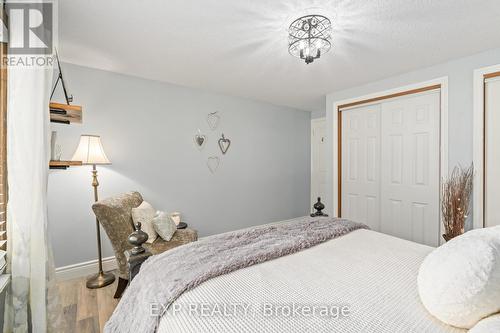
<point x="213" y="163"/>
<point x="224" y="144"/>
<point x="213" y="120"/>
<point x="200" y="140"/>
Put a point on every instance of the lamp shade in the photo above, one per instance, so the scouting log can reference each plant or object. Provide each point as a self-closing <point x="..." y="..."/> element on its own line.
<point x="90" y="151"/>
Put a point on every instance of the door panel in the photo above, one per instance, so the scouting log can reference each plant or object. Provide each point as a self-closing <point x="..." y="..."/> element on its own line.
<point x="361" y="165"/>
<point x="418" y="222"/>
<point x="396" y="158"/>
<point x="390" y="166"/>
<point x="410" y="187"/>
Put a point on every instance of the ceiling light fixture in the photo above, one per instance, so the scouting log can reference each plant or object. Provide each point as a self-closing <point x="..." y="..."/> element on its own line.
<point x="309" y="37"/>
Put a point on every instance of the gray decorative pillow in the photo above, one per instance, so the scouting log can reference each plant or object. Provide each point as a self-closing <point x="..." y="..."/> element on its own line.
<point x="145" y="214"/>
<point x="164" y="225"/>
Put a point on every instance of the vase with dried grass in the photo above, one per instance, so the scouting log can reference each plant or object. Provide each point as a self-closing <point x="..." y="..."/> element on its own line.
<point x="455" y="201"/>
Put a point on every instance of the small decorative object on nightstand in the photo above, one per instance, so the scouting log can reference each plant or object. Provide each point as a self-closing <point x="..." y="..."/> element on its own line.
<point x="182" y="225"/>
<point x="319" y="207"/>
<point x="176" y="217"/>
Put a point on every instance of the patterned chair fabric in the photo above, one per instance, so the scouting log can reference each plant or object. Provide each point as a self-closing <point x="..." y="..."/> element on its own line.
<point x="115" y="216"/>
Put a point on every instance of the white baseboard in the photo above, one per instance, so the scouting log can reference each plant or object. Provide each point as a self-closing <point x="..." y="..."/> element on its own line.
<point x="84" y="269"/>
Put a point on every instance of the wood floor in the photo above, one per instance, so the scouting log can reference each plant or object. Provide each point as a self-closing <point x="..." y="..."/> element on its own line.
<point x="86" y="310"/>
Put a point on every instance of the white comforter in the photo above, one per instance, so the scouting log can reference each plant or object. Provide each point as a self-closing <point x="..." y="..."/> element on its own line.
<point x="370" y="276"/>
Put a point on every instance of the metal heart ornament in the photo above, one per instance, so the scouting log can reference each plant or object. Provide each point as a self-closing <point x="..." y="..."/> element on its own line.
<point x="213" y="120"/>
<point x="224" y="144"/>
<point x="213" y="163"/>
<point x="200" y="140"/>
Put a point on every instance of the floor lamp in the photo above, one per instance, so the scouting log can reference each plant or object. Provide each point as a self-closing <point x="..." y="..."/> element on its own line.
<point x="90" y="152"/>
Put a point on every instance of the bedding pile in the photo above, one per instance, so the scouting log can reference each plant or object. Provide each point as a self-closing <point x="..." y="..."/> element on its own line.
<point x="165" y="277"/>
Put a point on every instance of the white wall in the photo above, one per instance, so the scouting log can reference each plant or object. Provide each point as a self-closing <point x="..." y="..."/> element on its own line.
<point x="460" y="75"/>
<point x="147" y="130"/>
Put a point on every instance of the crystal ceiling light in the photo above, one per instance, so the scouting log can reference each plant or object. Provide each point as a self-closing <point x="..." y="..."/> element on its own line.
<point x="309" y="37"/>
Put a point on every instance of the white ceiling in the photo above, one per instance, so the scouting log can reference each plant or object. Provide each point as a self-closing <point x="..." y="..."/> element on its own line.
<point x="239" y="47"/>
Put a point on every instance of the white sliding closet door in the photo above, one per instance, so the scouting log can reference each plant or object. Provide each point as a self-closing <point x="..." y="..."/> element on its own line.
<point x="390" y="166"/>
<point x="361" y="165"/>
<point x="410" y="168"/>
<point x="492" y="152"/>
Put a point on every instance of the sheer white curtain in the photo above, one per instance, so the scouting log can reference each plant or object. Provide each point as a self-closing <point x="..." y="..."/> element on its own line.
<point x="30" y="263"/>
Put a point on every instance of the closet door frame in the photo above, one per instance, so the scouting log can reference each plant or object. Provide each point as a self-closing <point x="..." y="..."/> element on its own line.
<point x="438" y="83"/>
<point x="479" y="131"/>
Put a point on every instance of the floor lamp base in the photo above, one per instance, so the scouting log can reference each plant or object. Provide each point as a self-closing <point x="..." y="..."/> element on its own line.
<point x="99" y="280"/>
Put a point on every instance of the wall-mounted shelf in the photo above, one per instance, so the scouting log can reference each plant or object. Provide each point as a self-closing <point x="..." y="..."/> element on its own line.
<point x="63" y="164"/>
<point x="65" y="113"/>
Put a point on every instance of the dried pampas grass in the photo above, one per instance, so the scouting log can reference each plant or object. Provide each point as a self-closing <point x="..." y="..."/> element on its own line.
<point x="455" y="201"/>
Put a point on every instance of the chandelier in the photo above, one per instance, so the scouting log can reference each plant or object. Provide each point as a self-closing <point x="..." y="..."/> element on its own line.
<point x="309" y="37"/>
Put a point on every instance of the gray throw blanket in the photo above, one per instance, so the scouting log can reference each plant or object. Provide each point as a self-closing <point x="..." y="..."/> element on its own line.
<point x="164" y="277"/>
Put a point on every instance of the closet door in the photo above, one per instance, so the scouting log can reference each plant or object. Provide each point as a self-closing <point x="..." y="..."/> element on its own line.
<point x="360" y="189"/>
<point x="410" y="168"/>
<point x="492" y="152"/>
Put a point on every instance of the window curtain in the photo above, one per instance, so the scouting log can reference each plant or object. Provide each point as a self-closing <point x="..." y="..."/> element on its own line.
<point x="31" y="301"/>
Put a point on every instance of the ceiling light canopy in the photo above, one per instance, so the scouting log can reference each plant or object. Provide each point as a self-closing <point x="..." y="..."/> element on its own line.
<point x="309" y="37"/>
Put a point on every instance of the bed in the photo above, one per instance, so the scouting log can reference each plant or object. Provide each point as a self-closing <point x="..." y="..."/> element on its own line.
<point x="372" y="273"/>
<point x="363" y="281"/>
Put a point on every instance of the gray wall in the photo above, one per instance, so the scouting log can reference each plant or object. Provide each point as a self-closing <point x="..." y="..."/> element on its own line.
<point x="318" y="114"/>
<point x="460" y="103"/>
<point x="147" y="130"/>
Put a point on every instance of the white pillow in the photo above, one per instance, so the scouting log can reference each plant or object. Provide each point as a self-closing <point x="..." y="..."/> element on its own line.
<point x="487" y="325"/>
<point x="164" y="225"/>
<point x="459" y="282"/>
<point x="145" y="214"/>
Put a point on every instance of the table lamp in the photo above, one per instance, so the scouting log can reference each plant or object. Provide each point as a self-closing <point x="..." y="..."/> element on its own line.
<point x="90" y="152"/>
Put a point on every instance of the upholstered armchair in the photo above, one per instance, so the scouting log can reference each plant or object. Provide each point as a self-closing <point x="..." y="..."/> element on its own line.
<point x="115" y="216"/>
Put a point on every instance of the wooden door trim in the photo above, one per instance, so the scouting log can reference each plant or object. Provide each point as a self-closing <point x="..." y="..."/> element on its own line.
<point x="491" y="75"/>
<point x="384" y="97"/>
<point x="479" y="142"/>
<point x="440" y="84"/>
